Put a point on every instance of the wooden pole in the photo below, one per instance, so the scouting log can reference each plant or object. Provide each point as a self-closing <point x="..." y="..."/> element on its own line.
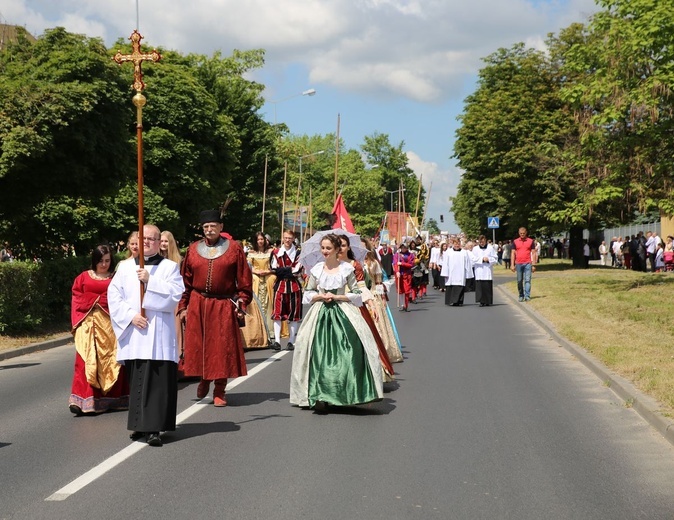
<point x="283" y="204"/>
<point x="264" y="191"/>
<point x="428" y="197"/>
<point x="298" y="213"/>
<point x="139" y="101"/>
<point x="398" y="230"/>
<point x="334" y="195"/>
<point x="311" y="213"/>
<point x="416" y="210"/>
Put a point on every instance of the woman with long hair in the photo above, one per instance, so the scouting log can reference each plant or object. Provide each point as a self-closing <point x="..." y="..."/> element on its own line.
<point x="99" y="382"/>
<point x="257" y="332"/>
<point x="381" y="315"/>
<point x="168" y="247"/>
<point x="132" y="246"/>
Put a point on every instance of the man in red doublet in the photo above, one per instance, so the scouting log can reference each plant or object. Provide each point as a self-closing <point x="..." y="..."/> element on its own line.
<point x="287" y="289"/>
<point x="217" y="280"/>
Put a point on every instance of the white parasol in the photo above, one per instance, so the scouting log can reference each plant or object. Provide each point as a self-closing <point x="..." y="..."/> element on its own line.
<point x="311" y="254"/>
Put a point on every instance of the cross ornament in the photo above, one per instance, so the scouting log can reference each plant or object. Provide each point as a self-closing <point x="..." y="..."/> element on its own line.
<point x="137" y="57"/>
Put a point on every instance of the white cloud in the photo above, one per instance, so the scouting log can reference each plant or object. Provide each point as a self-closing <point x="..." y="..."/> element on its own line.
<point x="441" y="183"/>
<point x="421" y="50"/>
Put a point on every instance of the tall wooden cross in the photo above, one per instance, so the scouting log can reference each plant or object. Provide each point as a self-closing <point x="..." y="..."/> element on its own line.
<point x="137" y="58"/>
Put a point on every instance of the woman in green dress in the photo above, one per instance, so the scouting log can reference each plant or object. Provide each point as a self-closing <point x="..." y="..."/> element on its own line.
<point x="336" y="360"/>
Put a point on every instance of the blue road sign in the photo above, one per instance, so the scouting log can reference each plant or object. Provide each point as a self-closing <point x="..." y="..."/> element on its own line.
<point x="492" y="222"/>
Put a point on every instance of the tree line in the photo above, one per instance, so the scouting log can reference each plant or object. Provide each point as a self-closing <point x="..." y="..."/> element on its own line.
<point x="576" y="136"/>
<point x="68" y="149"/>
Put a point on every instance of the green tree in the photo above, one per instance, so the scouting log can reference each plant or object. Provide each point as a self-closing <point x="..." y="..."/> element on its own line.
<point x="621" y="96"/>
<point x="505" y="125"/>
<point x="392" y="165"/>
<point x="432" y="226"/>
<point x="54" y="149"/>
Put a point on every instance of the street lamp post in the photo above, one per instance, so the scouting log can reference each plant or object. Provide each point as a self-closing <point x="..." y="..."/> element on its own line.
<point x="309" y="92"/>
<point x="299" y="182"/>
<point x="392" y="192"/>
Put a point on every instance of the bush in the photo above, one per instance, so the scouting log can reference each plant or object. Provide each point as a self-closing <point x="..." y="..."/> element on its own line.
<point x="36" y="295"/>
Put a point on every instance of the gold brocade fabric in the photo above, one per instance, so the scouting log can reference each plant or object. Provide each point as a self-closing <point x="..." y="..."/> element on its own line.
<point x="254" y="333"/>
<point x="95" y="342"/>
<point x="263" y="286"/>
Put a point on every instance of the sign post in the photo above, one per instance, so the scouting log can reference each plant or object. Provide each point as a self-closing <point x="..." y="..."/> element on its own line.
<point x="493" y="224"/>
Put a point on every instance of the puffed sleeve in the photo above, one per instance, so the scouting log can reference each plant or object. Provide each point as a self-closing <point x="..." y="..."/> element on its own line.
<point x="354" y="295"/>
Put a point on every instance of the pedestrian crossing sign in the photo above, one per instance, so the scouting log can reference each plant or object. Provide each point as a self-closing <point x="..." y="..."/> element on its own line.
<point x="492" y="223"/>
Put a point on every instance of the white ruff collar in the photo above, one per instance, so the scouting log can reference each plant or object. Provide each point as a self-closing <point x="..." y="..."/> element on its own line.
<point x="290" y="252"/>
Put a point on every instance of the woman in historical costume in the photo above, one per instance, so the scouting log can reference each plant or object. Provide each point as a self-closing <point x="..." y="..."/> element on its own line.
<point x="336" y="361"/>
<point x="368" y="309"/>
<point x="99" y="382"/>
<point x="257" y="332"/>
<point x="383" y="319"/>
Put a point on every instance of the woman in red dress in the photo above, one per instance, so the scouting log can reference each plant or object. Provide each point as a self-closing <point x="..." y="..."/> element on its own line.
<point x="99" y="382"/>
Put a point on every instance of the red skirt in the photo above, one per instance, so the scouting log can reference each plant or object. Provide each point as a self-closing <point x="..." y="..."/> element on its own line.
<point x="92" y="400"/>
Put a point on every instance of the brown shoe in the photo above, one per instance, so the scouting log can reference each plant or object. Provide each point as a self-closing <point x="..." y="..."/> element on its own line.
<point x="202" y="389"/>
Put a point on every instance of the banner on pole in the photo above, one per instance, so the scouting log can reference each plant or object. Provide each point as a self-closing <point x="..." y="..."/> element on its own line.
<point x="342" y="219"/>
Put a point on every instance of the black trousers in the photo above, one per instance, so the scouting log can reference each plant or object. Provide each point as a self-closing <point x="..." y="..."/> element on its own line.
<point x="454" y="294"/>
<point x="153" y="395"/>
<point x="484" y="292"/>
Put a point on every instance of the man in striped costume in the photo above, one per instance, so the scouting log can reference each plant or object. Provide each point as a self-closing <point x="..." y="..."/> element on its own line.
<point x="287" y="289"/>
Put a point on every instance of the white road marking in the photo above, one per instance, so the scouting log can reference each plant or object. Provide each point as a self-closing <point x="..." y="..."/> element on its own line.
<point x="119" y="457"/>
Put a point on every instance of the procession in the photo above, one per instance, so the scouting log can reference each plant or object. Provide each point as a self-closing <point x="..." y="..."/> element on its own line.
<point x="195" y="317"/>
<point x="333" y="260"/>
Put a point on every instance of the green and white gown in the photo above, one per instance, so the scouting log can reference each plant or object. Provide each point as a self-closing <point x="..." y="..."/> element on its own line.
<point x="336" y="358"/>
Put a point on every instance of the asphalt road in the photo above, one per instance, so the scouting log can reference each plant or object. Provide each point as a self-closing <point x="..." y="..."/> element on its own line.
<point x="489" y="419"/>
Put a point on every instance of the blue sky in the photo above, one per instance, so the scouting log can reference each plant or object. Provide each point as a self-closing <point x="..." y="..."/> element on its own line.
<point x="397" y="67"/>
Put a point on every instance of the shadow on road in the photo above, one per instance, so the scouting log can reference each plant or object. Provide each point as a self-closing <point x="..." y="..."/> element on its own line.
<point x="19" y="365"/>
<point x="249" y="398"/>
<point x="384" y="407"/>
<point x="190" y="430"/>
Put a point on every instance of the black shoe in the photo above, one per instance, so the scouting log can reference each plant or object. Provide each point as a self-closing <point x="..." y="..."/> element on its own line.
<point x="75" y="410"/>
<point x="321" y="407"/>
<point x="276" y="346"/>
<point x="134" y="436"/>
<point x="290" y="346"/>
<point x="154" y="439"/>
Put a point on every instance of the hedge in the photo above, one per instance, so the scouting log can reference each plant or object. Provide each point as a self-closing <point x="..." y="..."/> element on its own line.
<point x="36" y="295"/>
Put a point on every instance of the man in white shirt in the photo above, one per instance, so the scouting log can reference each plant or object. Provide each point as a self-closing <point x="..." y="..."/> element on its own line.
<point x="147" y="342"/>
<point x="484" y="259"/>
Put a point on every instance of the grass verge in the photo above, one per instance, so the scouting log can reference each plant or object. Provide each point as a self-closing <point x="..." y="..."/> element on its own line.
<point x="623" y="318"/>
<point x="9" y="342"/>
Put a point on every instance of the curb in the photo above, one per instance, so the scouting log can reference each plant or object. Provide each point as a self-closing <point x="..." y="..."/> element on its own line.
<point x="35" y="347"/>
<point x="646" y="406"/>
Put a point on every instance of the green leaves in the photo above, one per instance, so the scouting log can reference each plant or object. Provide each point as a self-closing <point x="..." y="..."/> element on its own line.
<point x="585" y="130"/>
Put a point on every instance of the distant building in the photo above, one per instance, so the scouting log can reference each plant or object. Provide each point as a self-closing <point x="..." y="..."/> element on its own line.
<point x="10" y="33"/>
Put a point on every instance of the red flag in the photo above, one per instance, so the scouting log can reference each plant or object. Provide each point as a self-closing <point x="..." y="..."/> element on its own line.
<point x="342" y="220"/>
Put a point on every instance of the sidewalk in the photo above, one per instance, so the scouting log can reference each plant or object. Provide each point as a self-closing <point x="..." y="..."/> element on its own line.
<point x="644" y="405"/>
<point x="35" y="347"/>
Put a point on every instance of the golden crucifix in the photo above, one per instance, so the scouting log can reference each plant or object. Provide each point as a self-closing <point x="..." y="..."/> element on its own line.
<point x="137" y="58"/>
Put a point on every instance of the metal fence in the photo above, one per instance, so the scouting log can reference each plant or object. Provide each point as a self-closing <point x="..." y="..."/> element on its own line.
<point x="623" y="231"/>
